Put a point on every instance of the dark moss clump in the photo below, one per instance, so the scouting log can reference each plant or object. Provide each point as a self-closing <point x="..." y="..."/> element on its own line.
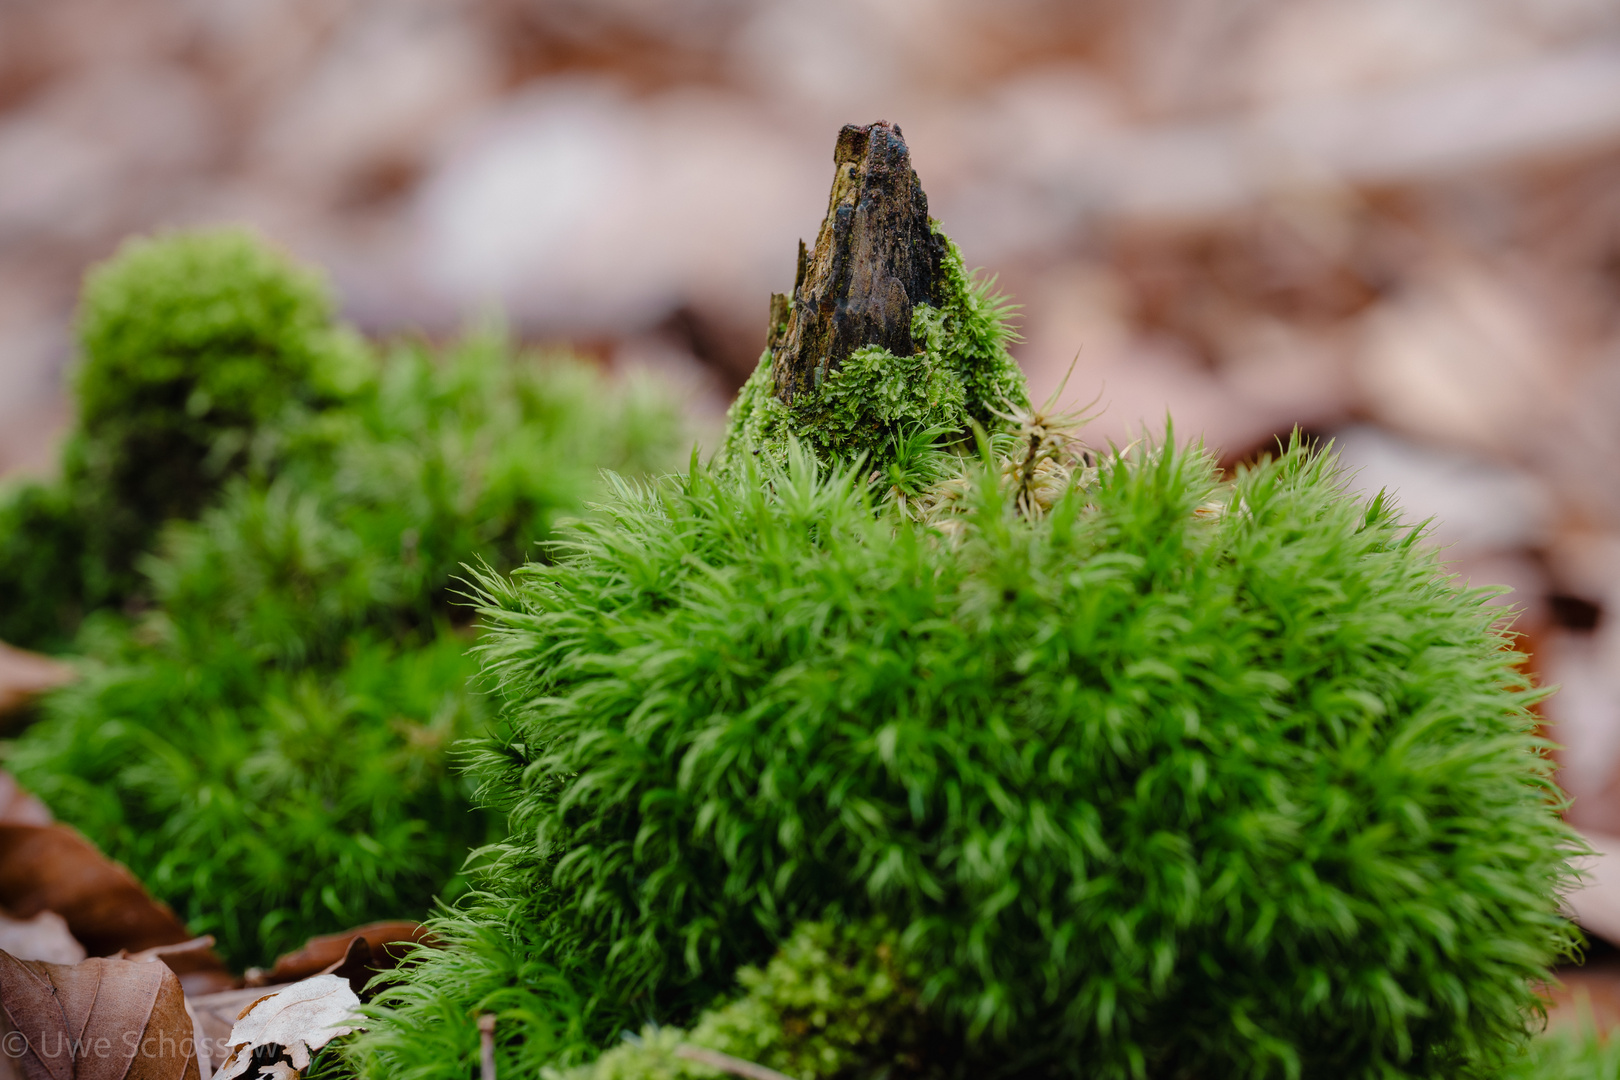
<point x="43" y="571"/>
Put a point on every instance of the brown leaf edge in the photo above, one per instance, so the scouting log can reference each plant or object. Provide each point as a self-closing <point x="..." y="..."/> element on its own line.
<point x="200" y="969"/>
<point x="26" y="675"/>
<point x="355" y="954"/>
<point x="50" y="867"/>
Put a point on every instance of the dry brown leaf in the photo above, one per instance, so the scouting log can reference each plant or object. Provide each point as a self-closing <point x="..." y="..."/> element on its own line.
<point x="200" y="969"/>
<point x="54" y="868"/>
<point x="18" y="806"/>
<point x="354" y="954"/>
<point x="26" y="675"/>
<point x="199" y="1042"/>
<point x="44" y="937"/>
<point x="215" y="1015"/>
<point x="300" y="1019"/>
<point x="98" y="1020"/>
<point x="355" y="968"/>
<point x="48" y="867"/>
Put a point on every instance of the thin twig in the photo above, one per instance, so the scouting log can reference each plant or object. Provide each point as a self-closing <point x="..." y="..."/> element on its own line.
<point x="714" y="1059"/>
<point x="486" y="1039"/>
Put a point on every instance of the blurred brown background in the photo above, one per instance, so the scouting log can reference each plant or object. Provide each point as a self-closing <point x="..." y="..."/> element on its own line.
<point x="1395" y="222"/>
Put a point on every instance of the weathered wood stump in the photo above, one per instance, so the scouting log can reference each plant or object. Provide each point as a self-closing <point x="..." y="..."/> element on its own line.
<point x="875" y="259"/>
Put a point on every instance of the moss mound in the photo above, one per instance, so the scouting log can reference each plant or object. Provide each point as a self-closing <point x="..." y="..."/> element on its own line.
<point x="268" y="747"/>
<point x="196" y="333"/>
<point x="1176" y="778"/>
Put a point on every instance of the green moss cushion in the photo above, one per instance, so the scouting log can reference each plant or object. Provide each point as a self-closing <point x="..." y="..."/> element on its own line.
<point x="1178" y="779"/>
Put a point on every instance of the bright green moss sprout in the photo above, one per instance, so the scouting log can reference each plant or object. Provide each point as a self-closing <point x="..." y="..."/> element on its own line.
<point x="833" y="1001"/>
<point x="1153" y="773"/>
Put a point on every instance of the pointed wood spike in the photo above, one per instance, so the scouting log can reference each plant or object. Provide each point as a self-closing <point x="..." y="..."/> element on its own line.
<point x="874" y="260"/>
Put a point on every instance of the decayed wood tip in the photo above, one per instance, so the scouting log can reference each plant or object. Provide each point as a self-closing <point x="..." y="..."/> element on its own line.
<point x="875" y="259"/>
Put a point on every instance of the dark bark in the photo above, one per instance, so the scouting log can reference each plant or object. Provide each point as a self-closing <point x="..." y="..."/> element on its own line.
<point x="875" y="259"/>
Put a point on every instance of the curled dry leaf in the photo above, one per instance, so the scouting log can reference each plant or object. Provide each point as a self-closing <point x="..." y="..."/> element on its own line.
<point x="26" y="675"/>
<point x="300" y="1019"/>
<point x="111" y="1019"/>
<point x="214" y="1016"/>
<point x="54" y="868"/>
<point x="355" y="954"/>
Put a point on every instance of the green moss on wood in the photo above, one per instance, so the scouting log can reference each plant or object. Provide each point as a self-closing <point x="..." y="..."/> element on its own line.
<point x="961" y="373"/>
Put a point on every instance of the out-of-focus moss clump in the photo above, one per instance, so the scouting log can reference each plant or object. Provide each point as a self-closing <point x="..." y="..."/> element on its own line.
<point x="42" y="572"/>
<point x="266" y="742"/>
<point x="194" y="348"/>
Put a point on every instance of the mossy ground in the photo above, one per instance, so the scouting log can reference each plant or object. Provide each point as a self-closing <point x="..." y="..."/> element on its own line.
<point x="966" y="754"/>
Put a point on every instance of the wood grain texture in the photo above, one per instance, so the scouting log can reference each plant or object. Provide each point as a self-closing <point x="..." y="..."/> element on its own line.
<point x="875" y="259"/>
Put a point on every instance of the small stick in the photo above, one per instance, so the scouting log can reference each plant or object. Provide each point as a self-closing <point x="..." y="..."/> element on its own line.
<point x="486" y="1039"/>
<point x="714" y="1059"/>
